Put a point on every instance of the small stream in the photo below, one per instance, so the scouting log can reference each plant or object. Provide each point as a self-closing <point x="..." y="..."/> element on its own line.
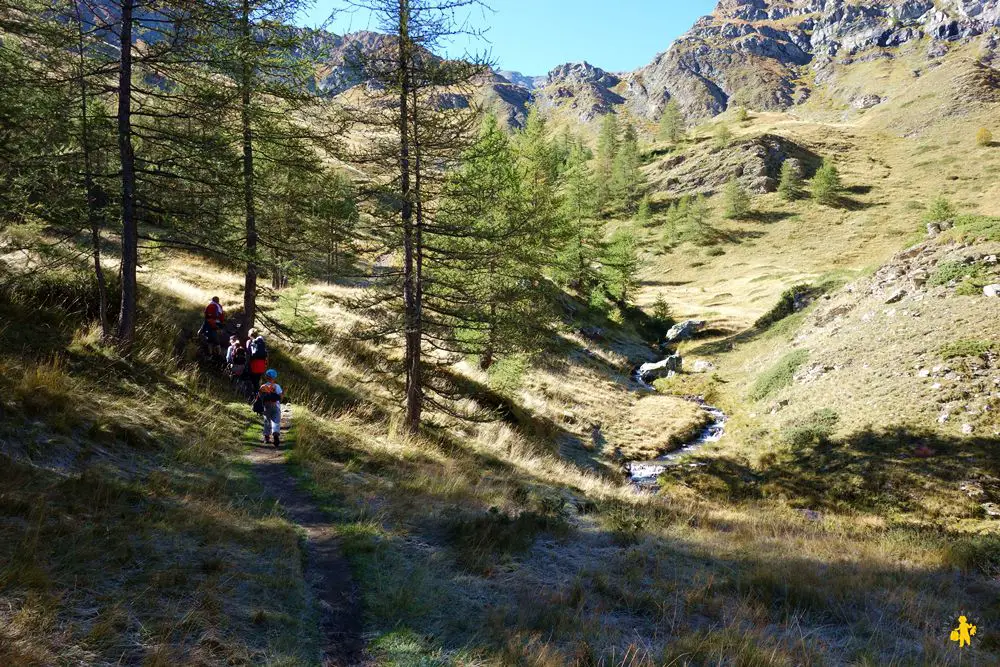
<point x="645" y="473"/>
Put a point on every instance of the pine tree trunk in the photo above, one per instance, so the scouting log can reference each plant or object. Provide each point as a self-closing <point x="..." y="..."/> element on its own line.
<point x="418" y="252"/>
<point x="414" y="396"/>
<point x="130" y="232"/>
<point x="93" y="217"/>
<point x="250" y="281"/>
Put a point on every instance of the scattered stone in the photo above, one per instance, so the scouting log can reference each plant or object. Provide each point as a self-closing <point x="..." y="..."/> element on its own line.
<point x="991" y="509"/>
<point x="896" y="296"/>
<point x="990" y="259"/>
<point x="936" y="385"/>
<point x="924" y="373"/>
<point x="967" y="429"/>
<point x="866" y="101"/>
<point x="992" y="290"/>
<point x="702" y="366"/>
<point x="943" y="417"/>
<point x="684" y="330"/>
<point x="972" y="489"/>
<point x="661" y="369"/>
<point x="933" y="229"/>
<point x="920" y="277"/>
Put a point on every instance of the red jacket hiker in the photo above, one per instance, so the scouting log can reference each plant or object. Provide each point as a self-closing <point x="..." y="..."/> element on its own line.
<point x="214" y="314"/>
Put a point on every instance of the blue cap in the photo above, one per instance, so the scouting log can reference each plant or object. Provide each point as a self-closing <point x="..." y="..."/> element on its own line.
<point x="271" y="373"/>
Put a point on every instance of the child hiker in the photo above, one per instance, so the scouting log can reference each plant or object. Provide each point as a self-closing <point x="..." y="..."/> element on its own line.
<point x="269" y="403"/>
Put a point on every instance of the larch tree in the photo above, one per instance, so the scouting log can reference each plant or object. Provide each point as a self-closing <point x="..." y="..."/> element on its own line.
<point x="672" y="123"/>
<point x="414" y="141"/>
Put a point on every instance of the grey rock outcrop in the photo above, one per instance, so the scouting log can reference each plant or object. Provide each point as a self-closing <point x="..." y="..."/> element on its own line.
<point x="752" y="52"/>
<point x="684" y="330"/>
<point x="660" y="369"/>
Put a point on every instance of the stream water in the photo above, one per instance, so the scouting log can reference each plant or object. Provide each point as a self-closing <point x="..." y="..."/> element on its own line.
<point x="645" y="473"/>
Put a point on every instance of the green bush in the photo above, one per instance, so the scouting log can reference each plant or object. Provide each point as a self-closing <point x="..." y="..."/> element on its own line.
<point x="507" y="375"/>
<point x="978" y="227"/>
<point x="975" y="553"/>
<point x="778" y="376"/>
<point x="968" y="348"/>
<point x="949" y="271"/>
<point x="786" y="305"/>
<point x="940" y="209"/>
<point x="816" y="429"/>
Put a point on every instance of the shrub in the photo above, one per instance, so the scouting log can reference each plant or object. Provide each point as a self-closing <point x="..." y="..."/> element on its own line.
<point x="968" y="348"/>
<point x="778" y="376"/>
<point x="737" y="200"/>
<point x="742" y="115"/>
<point x="627" y="524"/>
<point x="984" y="137"/>
<point x="826" y="185"/>
<point x="946" y="272"/>
<point x="940" y="209"/>
<point x="507" y="375"/>
<point x="481" y="538"/>
<point x="975" y="553"/>
<point x="816" y="429"/>
<point x="791" y="301"/>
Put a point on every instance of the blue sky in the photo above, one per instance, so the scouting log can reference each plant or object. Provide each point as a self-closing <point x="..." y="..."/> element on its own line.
<point x="533" y="36"/>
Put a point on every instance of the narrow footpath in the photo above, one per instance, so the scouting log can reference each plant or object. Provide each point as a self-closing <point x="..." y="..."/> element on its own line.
<point x="326" y="569"/>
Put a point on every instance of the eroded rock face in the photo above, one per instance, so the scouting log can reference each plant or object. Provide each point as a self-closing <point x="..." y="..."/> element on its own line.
<point x="752" y="52"/>
<point x="755" y="162"/>
<point x="582" y="88"/>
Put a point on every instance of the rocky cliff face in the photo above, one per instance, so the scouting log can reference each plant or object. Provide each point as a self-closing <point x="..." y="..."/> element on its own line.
<point x="754" y="52"/>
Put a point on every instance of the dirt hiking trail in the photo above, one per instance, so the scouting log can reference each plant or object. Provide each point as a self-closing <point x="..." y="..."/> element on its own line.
<point x="326" y="570"/>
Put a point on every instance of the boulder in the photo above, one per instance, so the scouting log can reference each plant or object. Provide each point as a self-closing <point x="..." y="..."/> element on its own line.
<point x="992" y="290"/>
<point x="660" y="369"/>
<point x="702" y="366"/>
<point x="684" y="330"/>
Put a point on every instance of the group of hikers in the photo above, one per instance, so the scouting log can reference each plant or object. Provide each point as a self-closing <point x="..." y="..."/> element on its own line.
<point x="246" y="365"/>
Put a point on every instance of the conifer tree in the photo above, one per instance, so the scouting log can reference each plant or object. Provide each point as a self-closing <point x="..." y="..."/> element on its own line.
<point x="790" y="186"/>
<point x="672" y="123"/>
<point x="723" y="136"/>
<point x="736" y="200"/>
<point x="607" y="149"/>
<point x="487" y="254"/>
<point x="621" y="265"/>
<point x="627" y="181"/>
<point x="415" y="141"/>
<point x="826" y="184"/>
<point x="581" y="239"/>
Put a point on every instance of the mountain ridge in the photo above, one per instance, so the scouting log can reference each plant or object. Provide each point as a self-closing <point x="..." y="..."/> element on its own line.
<point x="767" y="55"/>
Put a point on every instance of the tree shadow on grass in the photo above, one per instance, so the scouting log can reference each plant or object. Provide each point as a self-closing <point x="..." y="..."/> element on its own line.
<point x="879" y="470"/>
<point x="768" y="217"/>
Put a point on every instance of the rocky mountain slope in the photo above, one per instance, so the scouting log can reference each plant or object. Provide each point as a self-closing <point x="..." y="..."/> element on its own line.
<point x="762" y="54"/>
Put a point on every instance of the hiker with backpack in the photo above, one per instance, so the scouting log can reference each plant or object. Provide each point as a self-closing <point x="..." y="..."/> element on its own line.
<point x="236" y="365"/>
<point x="257" y="353"/>
<point x="211" y="330"/>
<point x="268" y="404"/>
